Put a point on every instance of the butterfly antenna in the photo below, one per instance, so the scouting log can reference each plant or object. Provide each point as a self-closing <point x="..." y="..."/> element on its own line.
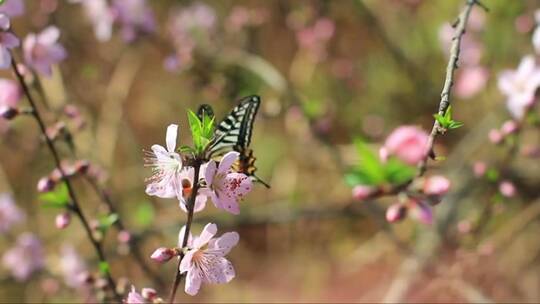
<point x="258" y="180"/>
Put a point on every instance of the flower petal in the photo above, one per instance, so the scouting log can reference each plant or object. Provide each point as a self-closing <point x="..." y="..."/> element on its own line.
<point x="170" y="138"/>
<point x="193" y="282"/>
<point x="49" y="36"/>
<point x="208" y="232"/>
<point x="223" y="245"/>
<point x="186" y="263"/>
<point x="238" y="184"/>
<point x="229" y="204"/>
<point x="222" y="271"/>
<point x="10" y="41"/>
<point x="5" y="58"/>
<point x="210" y="172"/>
<point x="4" y="22"/>
<point x="200" y="202"/>
<point x="181" y="237"/>
<point x="227" y="161"/>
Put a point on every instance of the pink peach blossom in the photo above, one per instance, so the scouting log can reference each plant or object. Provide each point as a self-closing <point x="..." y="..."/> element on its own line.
<point x="436" y="185"/>
<point x="361" y="192"/>
<point x="507" y="188"/>
<point x="43" y="50"/>
<point x="12" y="8"/>
<point x="396" y="213"/>
<point x="408" y="143"/>
<point x="8" y="41"/>
<point x="471" y="80"/>
<point x="10" y="214"/>
<point x="25" y="258"/>
<point x="205" y="260"/>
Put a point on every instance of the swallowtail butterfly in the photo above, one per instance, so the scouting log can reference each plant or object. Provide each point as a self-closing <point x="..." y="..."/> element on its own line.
<point x="233" y="133"/>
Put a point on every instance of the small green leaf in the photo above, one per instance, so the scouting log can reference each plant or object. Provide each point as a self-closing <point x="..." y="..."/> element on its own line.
<point x="2" y="2"/>
<point x="144" y="214"/>
<point x="104" y="268"/>
<point x="492" y="175"/>
<point x="370" y="165"/>
<point x="107" y="221"/>
<point x="397" y="172"/>
<point x="58" y="198"/>
<point x="446" y="121"/>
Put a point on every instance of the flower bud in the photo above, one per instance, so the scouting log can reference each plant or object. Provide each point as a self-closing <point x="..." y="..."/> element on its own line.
<point x="509" y="127"/>
<point x="495" y="136"/>
<point x="507" y="188"/>
<point x="124" y="236"/>
<point x="81" y="166"/>
<point x="45" y="184"/>
<point x="479" y="168"/>
<point x="436" y="185"/>
<point x="422" y="212"/>
<point x="361" y="192"/>
<point x="8" y="112"/>
<point x="63" y="220"/>
<point x="162" y="254"/>
<point x="396" y="213"/>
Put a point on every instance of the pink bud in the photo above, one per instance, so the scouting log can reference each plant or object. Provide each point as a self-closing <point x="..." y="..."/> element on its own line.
<point x="45" y="184"/>
<point x="361" y="192"/>
<point x="162" y="254"/>
<point x="396" y="213"/>
<point x="63" y="220"/>
<point x="408" y="143"/>
<point x="479" y="168"/>
<point x="509" y="127"/>
<point x="8" y="112"/>
<point x="422" y="212"/>
<point x="124" y="236"/>
<point x="464" y="226"/>
<point x="436" y="185"/>
<point x="149" y="293"/>
<point x="507" y="188"/>
<point x="81" y="166"/>
<point x="495" y="136"/>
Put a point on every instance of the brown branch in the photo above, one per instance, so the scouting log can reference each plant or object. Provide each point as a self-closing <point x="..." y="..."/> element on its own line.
<point x="74" y="205"/>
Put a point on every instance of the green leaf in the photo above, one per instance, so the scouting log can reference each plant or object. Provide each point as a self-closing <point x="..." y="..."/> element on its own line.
<point x="58" y="198"/>
<point x="492" y="175"/>
<point x="104" y="267"/>
<point x="2" y="2"/>
<point x="196" y="129"/>
<point x="446" y="121"/>
<point x="107" y="221"/>
<point x="397" y="172"/>
<point x="370" y="165"/>
<point x="144" y="214"/>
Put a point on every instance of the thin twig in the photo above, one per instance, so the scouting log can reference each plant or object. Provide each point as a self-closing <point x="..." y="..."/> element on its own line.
<point x="448" y="82"/>
<point x="74" y="205"/>
<point x="190" y="208"/>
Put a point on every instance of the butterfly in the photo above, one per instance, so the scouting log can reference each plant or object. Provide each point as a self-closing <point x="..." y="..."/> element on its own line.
<point x="233" y="133"/>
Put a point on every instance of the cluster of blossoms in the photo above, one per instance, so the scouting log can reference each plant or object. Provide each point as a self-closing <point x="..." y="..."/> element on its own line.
<point x="472" y="76"/>
<point x="203" y="257"/>
<point x="402" y="151"/>
<point x="314" y="39"/>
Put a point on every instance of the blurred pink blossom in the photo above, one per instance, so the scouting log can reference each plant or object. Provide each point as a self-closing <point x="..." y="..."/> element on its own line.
<point x="25" y="257"/>
<point x="536" y="33"/>
<point x="314" y="39"/>
<point x="361" y="192"/>
<point x="479" y="168"/>
<point x="12" y="8"/>
<point x="10" y="92"/>
<point x="134" y="297"/>
<point x="422" y="212"/>
<point x="507" y="188"/>
<point x="408" y="143"/>
<point x="509" y="127"/>
<point x="225" y="187"/>
<point x="101" y="16"/>
<point x="8" y="41"/>
<point x="495" y="136"/>
<point x="471" y="80"/>
<point x="135" y="17"/>
<point x="436" y="185"/>
<point x="520" y="86"/>
<point x="72" y="266"/>
<point x="42" y="50"/>
<point x="63" y="220"/>
<point x="524" y="23"/>
<point x="396" y="213"/>
<point x="205" y="261"/>
<point x="241" y="17"/>
<point x="10" y="214"/>
<point x="464" y="226"/>
<point x="471" y="49"/>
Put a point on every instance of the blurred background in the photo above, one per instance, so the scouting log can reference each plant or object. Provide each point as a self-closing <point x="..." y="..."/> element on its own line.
<point x="327" y="72"/>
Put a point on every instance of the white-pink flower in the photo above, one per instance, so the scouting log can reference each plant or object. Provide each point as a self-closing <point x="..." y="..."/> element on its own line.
<point x="408" y="143"/>
<point x="205" y="260"/>
<point x="436" y="185"/>
<point x="134" y="297"/>
<point x="10" y="214"/>
<point x="187" y="181"/>
<point x="8" y="41"/>
<point x="10" y="93"/>
<point x="536" y="33"/>
<point x="72" y="266"/>
<point x="42" y="50"/>
<point x="225" y="187"/>
<point x="520" y="86"/>
<point x="101" y="17"/>
<point x="166" y="167"/>
<point x="12" y="8"/>
<point x="25" y="258"/>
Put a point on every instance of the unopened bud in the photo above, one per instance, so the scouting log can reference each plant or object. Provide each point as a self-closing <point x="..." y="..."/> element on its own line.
<point x="509" y="127"/>
<point x="507" y="188"/>
<point x="81" y="166"/>
<point x="361" y="192"/>
<point x="124" y="236"/>
<point x="495" y="136"/>
<point x="422" y="212"/>
<point x="8" y="112"/>
<point x="162" y="254"/>
<point x="396" y="213"/>
<point x="45" y="184"/>
<point x="63" y="220"/>
<point x="436" y="185"/>
<point x="479" y="168"/>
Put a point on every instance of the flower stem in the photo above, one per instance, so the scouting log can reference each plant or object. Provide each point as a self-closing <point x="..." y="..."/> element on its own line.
<point x="190" y="207"/>
<point x="74" y="205"/>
